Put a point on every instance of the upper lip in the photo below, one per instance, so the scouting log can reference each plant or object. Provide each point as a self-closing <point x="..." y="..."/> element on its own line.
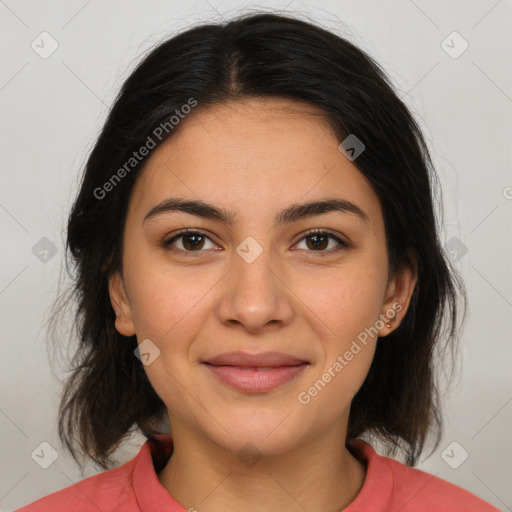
<point x="266" y="359"/>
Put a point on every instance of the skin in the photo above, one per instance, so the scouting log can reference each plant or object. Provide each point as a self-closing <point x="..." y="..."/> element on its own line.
<point x="257" y="155"/>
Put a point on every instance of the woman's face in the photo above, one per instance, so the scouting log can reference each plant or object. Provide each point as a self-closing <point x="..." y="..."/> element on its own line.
<point x="260" y="282"/>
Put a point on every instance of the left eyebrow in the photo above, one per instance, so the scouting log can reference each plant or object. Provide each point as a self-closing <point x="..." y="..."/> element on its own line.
<point x="290" y="214"/>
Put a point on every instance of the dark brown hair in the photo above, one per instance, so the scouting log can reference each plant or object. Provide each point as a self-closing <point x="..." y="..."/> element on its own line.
<point x="108" y="394"/>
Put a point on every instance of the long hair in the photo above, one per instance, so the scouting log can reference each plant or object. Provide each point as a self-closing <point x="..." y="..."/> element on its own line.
<point x="107" y="393"/>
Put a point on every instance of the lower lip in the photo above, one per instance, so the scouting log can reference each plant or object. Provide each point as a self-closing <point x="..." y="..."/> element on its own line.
<point x="253" y="380"/>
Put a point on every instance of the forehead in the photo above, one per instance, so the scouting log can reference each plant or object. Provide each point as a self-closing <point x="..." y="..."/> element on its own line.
<point x="252" y="155"/>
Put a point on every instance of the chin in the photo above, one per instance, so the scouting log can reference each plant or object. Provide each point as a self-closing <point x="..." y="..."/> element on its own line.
<point x="266" y="432"/>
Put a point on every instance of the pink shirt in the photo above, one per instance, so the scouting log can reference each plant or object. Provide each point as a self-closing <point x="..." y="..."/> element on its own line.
<point x="389" y="486"/>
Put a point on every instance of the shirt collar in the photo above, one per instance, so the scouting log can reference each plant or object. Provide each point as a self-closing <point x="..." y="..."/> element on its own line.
<point x="376" y="494"/>
<point x="377" y="489"/>
<point x="150" y="493"/>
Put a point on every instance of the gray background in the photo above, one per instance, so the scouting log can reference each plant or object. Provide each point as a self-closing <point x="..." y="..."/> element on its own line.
<point x="52" y="109"/>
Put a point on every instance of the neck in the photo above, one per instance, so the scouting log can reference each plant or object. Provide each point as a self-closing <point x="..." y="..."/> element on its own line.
<point x="321" y="474"/>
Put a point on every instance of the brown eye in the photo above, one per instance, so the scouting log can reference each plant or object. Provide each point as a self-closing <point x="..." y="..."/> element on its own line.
<point x="194" y="242"/>
<point x="318" y="241"/>
<point x="190" y="241"/>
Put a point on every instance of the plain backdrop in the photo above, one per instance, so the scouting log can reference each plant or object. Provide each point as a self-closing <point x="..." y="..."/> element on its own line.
<point x="451" y="63"/>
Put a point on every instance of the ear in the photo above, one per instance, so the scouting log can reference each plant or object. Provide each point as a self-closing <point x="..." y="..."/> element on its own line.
<point x="121" y="304"/>
<point x="398" y="294"/>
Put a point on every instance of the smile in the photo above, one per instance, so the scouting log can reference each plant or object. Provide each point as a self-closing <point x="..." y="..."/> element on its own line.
<point x="255" y="379"/>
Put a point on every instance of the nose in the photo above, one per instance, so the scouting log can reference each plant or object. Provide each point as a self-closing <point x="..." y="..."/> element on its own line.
<point x="255" y="295"/>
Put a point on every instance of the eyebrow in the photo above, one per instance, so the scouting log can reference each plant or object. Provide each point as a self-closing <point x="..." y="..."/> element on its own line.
<point x="290" y="214"/>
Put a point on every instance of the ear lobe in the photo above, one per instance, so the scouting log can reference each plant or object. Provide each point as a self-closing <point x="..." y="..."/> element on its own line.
<point x="121" y="305"/>
<point x="400" y="292"/>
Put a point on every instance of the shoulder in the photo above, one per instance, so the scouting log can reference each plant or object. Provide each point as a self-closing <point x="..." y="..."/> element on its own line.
<point x="410" y="489"/>
<point x="111" y="490"/>
<point x="433" y="493"/>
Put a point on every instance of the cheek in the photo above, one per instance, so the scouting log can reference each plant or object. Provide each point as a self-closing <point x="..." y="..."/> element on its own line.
<point x="343" y="310"/>
<point x="166" y="298"/>
<point x="335" y="383"/>
<point x="344" y="301"/>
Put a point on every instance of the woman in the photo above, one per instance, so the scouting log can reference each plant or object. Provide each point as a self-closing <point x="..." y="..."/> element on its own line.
<point x="258" y="262"/>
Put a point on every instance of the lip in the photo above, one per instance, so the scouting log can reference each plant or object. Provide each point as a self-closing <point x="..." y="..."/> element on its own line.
<point x="250" y="360"/>
<point x="255" y="373"/>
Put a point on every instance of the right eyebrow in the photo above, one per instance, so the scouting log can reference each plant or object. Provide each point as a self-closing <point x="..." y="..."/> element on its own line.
<point x="290" y="214"/>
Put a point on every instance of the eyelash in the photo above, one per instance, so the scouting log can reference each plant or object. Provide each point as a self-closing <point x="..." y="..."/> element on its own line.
<point x="342" y="245"/>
